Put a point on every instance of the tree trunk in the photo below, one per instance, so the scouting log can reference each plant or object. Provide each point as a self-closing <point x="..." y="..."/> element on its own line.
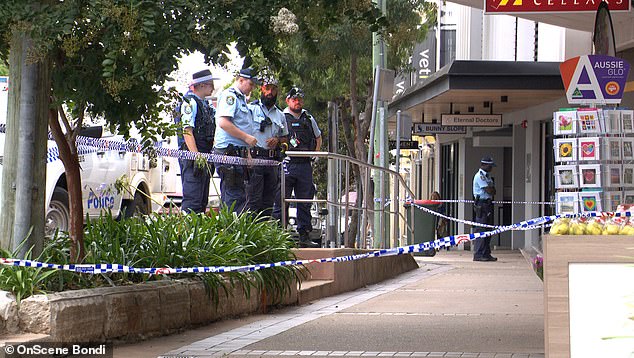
<point x="25" y="156"/>
<point x="68" y="156"/>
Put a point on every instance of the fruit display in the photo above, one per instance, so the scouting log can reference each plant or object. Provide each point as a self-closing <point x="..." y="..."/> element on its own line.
<point x="593" y="226"/>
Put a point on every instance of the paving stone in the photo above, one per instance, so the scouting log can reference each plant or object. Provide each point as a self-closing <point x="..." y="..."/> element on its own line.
<point x="354" y="353"/>
<point x="370" y="354"/>
<point x="338" y="353"/>
<point x="419" y="354"/>
<point x="403" y="354"/>
<point x="306" y="353"/>
<point x="272" y="353"/>
<point x="289" y="353"/>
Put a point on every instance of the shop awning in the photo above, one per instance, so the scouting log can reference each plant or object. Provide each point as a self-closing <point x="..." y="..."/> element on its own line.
<point x="481" y="87"/>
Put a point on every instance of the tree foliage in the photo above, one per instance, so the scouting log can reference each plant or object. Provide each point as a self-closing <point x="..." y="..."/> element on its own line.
<point x="111" y="57"/>
<point x="332" y="60"/>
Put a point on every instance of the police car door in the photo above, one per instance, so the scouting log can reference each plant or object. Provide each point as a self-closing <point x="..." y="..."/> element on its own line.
<point x="98" y="189"/>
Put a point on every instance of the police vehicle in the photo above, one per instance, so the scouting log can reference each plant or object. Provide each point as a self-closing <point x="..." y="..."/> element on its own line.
<point x="150" y="185"/>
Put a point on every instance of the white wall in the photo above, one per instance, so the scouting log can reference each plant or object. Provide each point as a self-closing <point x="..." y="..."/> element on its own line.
<point x="577" y="43"/>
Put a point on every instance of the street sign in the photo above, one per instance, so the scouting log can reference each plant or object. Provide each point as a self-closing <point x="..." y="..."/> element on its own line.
<point x="405" y="144"/>
<point x="594" y="79"/>
<point x="472" y="120"/>
<point x="427" y="128"/>
<point x="550" y="6"/>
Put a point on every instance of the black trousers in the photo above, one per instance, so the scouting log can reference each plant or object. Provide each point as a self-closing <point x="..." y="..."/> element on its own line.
<point x="484" y="215"/>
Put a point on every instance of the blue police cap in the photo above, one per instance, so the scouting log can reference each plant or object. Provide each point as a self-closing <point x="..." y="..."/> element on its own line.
<point x="250" y="74"/>
<point x="487" y="161"/>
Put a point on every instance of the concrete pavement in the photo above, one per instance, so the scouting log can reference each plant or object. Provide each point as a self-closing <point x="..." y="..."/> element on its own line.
<point x="449" y="307"/>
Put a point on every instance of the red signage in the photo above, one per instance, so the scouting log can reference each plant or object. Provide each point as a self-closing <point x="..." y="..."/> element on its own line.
<point x="545" y="6"/>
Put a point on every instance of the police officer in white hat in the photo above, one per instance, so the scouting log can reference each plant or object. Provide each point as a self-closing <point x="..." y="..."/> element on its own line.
<point x="483" y="193"/>
<point x="198" y="127"/>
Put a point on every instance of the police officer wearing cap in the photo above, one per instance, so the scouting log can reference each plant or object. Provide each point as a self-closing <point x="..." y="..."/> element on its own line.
<point x="304" y="135"/>
<point x="198" y="127"/>
<point x="234" y="137"/>
<point x="270" y="131"/>
<point x="483" y="192"/>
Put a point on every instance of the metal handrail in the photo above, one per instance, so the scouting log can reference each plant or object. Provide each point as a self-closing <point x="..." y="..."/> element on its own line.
<point x="348" y="160"/>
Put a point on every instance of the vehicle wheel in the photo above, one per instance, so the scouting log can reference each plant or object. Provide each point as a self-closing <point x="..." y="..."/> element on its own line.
<point x="58" y="213"/>
<point x="137" y="206"/>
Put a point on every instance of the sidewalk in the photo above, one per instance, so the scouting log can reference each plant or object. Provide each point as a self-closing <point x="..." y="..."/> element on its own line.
<point x="449" y="307"/>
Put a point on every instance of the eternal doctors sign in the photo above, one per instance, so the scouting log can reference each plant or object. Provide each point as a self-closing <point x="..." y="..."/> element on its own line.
<point x="594" y="79"/>
<point x="540" y="6"/>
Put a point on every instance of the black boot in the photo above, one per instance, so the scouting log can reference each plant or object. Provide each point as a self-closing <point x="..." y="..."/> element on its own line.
<point x="305" y="242"/>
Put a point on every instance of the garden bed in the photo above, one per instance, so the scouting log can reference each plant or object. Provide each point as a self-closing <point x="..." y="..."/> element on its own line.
<point x="135" y="312"/>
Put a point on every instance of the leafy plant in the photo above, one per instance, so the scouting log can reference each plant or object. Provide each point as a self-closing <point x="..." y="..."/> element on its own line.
<point x="192" y="240"/>
<point x="22" y="281"/>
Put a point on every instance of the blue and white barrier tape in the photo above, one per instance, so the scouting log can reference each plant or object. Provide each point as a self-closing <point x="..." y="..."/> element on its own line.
<point x="443" y="242"/>
<point x="388" y="201"/>
<point x="471" y="223"/>
<point x="87" y="145"/>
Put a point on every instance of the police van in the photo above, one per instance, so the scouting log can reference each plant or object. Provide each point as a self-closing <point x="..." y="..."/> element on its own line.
<point x="149" y="185"/>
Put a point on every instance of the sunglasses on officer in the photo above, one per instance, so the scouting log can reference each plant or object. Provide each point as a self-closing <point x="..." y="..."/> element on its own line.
<point x="265" y="123"/>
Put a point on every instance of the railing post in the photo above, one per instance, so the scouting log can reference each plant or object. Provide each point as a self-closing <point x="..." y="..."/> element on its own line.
<point x="283" y="195"/>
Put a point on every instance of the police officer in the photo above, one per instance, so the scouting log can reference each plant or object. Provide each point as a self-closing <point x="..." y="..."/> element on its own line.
<point x="483" y="192"/>
<point x="234" y="129"/>
<point x="270" y="131"/>
<point x="197" y="119"/>
<point x="303" y="135"/>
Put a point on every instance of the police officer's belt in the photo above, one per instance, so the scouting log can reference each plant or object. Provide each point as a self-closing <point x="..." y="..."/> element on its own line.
<point x="483" y="201"/>
<point x="236" y="151"/>
<point x="258" y="152"/>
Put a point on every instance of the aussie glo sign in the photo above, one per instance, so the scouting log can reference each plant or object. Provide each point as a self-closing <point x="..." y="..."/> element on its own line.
<point x="541" y="6"/>
<point x="594" y="79"/>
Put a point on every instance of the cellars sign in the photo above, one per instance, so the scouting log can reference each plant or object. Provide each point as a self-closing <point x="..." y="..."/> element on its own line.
<point x="543" y="6"/>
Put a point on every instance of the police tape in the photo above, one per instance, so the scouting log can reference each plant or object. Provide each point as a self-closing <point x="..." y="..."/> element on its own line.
<point x="87" y="145"/>
<point x="500" y="202"/>
<point x="472" y="223"/>
<point x="389" y="201"/>
<point x="425" y="246"/>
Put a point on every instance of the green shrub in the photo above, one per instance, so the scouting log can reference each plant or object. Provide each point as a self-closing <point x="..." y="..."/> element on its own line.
<point x="222" y="239"/>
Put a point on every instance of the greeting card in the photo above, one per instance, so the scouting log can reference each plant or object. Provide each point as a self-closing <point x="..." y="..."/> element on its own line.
<point x="628" y="175"/>
<point x="612" y="121"/>
<point x="588" y="148"/>
<point x="567" y="203"/>
<point x="614" y="175"/>
<point x="612" y="200"/>
<point x="628" y="149"/>
<point x="566" y="177"/>
<point x="590" y="176"/>
<point x="627" y="121"/>
<point x="565" y="122"/>
<point x="566" y="150"/>
<point x="590" y="201"/>
<point x="613" y="149"/>
<point x="588" y="120"/>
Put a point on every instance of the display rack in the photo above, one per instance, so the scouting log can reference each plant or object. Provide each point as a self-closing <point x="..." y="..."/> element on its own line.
<point x="594" y="159"/>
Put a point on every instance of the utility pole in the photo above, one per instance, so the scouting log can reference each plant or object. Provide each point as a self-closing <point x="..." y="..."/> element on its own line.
<point x="379" y="58"/>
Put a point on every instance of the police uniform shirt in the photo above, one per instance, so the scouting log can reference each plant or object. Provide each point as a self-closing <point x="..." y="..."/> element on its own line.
<point x="316" y="130"/>
<point x="277" y="128"/>
<point x="481" y="180"/>
<point x="189" y="109"/>
<point x="232" y="104"/>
